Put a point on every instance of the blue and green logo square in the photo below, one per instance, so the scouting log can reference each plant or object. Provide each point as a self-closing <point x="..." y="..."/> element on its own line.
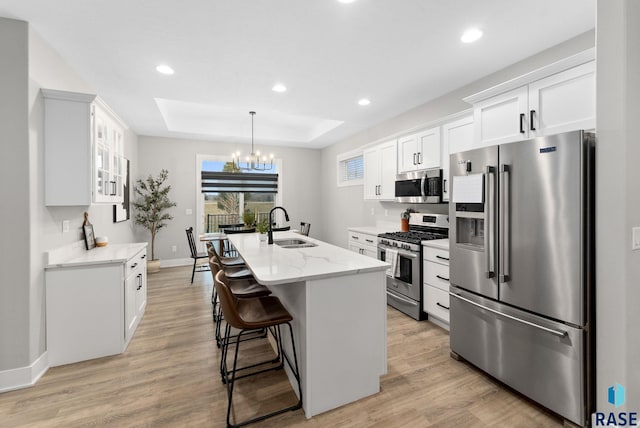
<point x="615" y="395"/>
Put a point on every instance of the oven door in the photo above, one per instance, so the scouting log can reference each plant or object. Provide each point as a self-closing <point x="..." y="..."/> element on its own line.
<point x="406" y="280"/>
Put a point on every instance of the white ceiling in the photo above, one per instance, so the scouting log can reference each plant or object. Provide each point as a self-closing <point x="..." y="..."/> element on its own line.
<point x="227" y="55"/>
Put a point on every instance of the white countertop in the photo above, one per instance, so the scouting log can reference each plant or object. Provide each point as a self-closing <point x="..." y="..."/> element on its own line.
<point x="369" y="230"/>
<point x="443" y="244"/>
<point x="112" y="253"/>
<point x="272" y="264"/>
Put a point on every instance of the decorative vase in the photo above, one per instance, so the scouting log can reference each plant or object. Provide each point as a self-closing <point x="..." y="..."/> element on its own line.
<point x="153" y="266"/>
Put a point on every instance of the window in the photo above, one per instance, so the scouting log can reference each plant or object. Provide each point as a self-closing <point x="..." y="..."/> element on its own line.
<point x="350" y="169"/>
<point x="227" y="195"/>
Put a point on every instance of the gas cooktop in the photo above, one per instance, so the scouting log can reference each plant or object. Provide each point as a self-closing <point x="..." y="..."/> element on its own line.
<point x="413" y="236"/>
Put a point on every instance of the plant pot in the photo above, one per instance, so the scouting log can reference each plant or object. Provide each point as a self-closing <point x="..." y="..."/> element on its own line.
<point x="262" y="237"/>
<point x="153" y="266"/>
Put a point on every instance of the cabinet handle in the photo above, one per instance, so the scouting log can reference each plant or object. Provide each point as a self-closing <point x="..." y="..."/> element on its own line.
<point x="414" y="159"/>
<point x="113" y="188"/>
<point x="144" y="256"/>
<point x="522" y="118"/>
<point x="369" y="240"/>
<point x="133" y="266"/>
<point x="442" y="258"/>
<point x="419" y="158"/>
<point x="354" y="237"/>
<point x="444" y="186"/>
<point x="442" y="278"/>
<point x="531" y="113"/>
<point x="139" y="281"/>
<point x="442" y="306"/>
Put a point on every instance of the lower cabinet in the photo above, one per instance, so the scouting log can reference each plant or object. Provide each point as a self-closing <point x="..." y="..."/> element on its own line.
<point x="93" y="309"/>
<point x="364" y="244"/>
<point x="436" y="284"/>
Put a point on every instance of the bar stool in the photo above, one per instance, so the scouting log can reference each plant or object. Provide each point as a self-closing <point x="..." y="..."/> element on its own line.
<point x="224" y="261"/>
<point x="242" y="288"/>
<point x="249" y="315"/>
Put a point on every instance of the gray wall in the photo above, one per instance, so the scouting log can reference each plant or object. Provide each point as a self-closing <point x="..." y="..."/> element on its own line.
<point x="29" y="228"/>
<point x="301" y="187"/>
<point x="344" y="207"/>
<point x="618" y="150"/>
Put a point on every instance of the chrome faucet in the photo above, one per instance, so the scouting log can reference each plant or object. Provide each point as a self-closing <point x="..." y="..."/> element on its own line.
<point x="286" y="216"/>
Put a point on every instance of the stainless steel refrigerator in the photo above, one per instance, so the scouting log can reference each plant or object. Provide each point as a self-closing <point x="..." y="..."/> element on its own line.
<point x="522" y="269"/>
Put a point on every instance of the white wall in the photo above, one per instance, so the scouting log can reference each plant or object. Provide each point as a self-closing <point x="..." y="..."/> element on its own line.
<point x="29" y="228"/>
<point x="618" y="201"/>
<point x="351" y="209"/>
<point x="300" y="172"/>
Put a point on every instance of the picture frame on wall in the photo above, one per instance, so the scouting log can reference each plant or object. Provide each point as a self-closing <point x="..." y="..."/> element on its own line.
<point x="121" y="212"/>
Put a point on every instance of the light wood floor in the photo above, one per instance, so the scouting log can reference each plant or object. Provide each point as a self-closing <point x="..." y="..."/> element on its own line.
<point x="169" y="377"/>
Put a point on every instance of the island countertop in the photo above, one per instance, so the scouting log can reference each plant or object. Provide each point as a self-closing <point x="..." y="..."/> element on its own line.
<point x="272" y="264"/>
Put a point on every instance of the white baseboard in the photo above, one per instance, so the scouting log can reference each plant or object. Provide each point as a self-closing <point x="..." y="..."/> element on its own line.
<point x="24" y="377"/>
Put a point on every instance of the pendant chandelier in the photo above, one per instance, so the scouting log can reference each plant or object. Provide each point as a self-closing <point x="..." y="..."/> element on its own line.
<point x="253" y="162"/>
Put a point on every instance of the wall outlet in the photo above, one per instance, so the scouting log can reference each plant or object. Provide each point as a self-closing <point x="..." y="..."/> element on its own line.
<point x="188" y="211"/>
<point x="635" y="238"/>
<point x="373" y="211"/>
<point x="65" y="226"/>
<point x="174" y="248"/>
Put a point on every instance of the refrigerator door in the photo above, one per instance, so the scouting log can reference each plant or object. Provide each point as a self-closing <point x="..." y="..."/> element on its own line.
<point x="472" y="231"/>
<point x="542" y="219"/>
<point x="540" y="358"/>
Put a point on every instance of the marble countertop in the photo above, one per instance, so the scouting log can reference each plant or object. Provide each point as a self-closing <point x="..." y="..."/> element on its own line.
<point x="272" y="264"/>
<point x="112" y="253"/>
<point x="443" y="244"/>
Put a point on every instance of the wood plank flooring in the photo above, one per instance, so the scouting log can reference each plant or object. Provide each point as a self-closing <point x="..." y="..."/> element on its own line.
<point x="169" y="377"/>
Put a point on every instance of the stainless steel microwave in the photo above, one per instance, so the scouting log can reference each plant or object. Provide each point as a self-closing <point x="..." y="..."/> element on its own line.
<point x="420" y="187"/>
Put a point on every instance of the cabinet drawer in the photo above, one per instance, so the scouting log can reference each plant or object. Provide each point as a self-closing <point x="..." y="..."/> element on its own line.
<point x="436" y="302"/>
<point x="436" y="255"/>
<point x="363" y="238"/>
<point x="135" y="262"/>
<point x="437" y="275"/>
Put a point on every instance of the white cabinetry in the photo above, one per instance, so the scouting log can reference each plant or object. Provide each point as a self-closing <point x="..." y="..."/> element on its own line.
<point x="363" y="243"/>
<point x="548" y="101"/>
<point x="380" y="171"/>
<point x="84" y="146"/>
<point x="419" y="151"/>
<point x="457" y="136"/>
<point x="95" y="303"/>
<point x="435" y="285"/>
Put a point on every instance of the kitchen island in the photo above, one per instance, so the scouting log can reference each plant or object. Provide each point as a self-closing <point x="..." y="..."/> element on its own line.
<point x="338" y="302"/>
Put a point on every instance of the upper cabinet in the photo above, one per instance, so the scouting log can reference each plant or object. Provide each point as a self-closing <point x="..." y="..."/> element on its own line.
<point x="84" y="148"/>
<point x="457" y="136"/>
<point x="554" y="99"/>
<point x="380" y="171"/>
<point x="419" y="151"/>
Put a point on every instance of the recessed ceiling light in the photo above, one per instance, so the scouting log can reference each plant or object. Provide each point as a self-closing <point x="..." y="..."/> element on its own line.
<point x="346" y="1"/>
<point x="164" y="69"/>
<point x="364" y="102"/>
<point x="471" y="35"/>
<point x="279" y="87"/>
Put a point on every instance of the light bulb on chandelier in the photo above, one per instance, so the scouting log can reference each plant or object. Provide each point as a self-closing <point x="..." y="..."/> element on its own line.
<point x="253" y="161"/>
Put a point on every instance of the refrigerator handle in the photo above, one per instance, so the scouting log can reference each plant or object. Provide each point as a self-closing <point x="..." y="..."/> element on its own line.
<point x="558" y="333"/>
<point x="505" y="220"/>
<point x="489" y="233"/>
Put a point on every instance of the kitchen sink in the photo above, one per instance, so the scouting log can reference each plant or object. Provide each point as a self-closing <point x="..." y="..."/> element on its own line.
<point x="294" y="243"/>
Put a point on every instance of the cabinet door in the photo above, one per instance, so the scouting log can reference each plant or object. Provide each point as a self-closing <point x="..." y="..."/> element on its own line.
<point x="563" y="102"/>
<point x="457" y="136"/>
<point x="407" y="153"/>
<point x="428" y="149"/>
<point x="371" y="159"/>
<point x="501" y="119"/>
<point x="388" y="172"/>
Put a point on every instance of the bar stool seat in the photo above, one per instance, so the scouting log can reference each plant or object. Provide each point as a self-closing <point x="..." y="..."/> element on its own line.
<point x="261" y="313"/>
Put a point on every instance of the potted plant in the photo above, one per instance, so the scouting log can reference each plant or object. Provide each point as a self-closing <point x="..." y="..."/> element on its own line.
<point x="151" y="209"/>
<point x="248" y="218"/>
<point x="262" y="227"/>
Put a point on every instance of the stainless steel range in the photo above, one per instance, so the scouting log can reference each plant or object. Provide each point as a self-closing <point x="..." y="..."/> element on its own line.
<point x="404" y="251"/>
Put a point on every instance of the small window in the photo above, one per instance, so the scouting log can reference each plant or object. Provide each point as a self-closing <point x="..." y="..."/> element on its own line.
<point x="350" y="169"/>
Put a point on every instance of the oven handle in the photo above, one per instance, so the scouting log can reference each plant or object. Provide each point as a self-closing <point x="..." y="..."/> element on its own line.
<point x="400" y="252"/>
<point x="402" y="299"/>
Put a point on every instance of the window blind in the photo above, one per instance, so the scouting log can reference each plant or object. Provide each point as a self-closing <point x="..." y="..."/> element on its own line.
<point x="216" y="182"/>
<point x="351" y="169"/>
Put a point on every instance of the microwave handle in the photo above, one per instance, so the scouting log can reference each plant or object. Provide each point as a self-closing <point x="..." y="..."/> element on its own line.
<point x="423" y="182"/>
